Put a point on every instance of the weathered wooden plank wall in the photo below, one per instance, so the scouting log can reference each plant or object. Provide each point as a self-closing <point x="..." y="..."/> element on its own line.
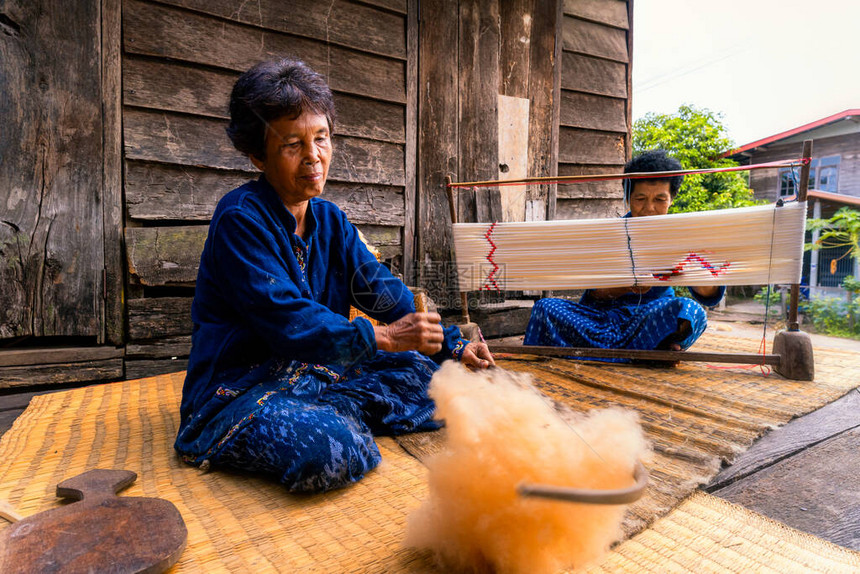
<point x="51" y="171"/>
<point x="472" y="53"/>
<point x="595" y="104"/>
<point x="179" y="61"/>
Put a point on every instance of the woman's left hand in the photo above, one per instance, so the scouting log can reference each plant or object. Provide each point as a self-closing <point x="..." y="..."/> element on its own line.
<point x="477" y="356"/>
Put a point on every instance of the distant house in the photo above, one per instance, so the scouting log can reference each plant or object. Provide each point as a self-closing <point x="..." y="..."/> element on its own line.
<point x="834" y="182"/>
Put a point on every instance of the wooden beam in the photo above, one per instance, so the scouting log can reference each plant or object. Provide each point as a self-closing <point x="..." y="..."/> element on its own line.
<point x="438" y="130"/>
<point x="629" y="74"/>
<point x="478" y="74"/>
<point x="113" y="291"/>
<point x="75" y="372"/>
<point x="743" y="358"/>
<point x="156" y="317"/>
<point x="47" y="356"/>
<point x="410" y="195"/>
<point x="801" y="196"/>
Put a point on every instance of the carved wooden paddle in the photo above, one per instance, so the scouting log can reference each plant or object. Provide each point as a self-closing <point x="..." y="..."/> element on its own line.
<point x="101" y="533"/>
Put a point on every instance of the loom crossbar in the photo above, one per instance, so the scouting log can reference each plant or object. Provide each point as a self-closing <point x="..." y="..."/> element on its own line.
<point x="738" y="358"/>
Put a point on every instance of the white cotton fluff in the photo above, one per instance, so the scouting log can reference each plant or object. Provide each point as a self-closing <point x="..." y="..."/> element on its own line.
<point x="501" y="432"/>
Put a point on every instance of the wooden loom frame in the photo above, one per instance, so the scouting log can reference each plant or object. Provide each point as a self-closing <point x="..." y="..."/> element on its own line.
<point x="792" y="356"/>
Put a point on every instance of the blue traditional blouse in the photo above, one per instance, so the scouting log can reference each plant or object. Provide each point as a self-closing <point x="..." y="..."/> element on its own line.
<point x="263" y="292"/>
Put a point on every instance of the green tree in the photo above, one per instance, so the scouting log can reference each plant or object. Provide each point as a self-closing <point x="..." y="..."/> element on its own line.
<point x="696" y="138"/>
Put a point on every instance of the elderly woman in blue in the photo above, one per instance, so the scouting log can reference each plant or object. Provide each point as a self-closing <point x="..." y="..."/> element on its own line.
<point x="629" y="317"/>
<point x="279" y="380"/>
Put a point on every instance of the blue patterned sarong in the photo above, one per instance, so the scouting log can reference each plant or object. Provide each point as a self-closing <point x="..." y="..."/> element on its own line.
<point x="646" y="322"/>
<point x="309" y="426"/>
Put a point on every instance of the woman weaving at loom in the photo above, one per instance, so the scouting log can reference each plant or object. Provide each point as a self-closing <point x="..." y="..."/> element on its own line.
<point x="279" y="380"/>
<point x="629" y="317"/>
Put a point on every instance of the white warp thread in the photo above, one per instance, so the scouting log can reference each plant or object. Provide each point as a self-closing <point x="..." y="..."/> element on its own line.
<point x="742" y="246"/>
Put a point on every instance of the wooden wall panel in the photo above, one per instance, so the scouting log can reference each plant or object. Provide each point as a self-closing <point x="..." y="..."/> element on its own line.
<point x="593" y="189"/>
<point x="593" y="75"/>
<point x="398" y="6"/>
<point x="588" y="111"/>
<point x="545" y="104"/>
<point x="589" y="38"/>
<point x="590" y="208"/>
<point x="516" y="21"/>
<point x="155" y="191"/>
<point x="158" y="317"/>
<point x="379" y="32"/>
<point x="173" y="138"/>
<point x="595" y="103"/>
<point x="610" y="12"/>
<point x="590" y="147"/>
<point x="164" y="32"/>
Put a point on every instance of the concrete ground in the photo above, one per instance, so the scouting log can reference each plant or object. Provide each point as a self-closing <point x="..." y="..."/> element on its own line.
<point x="805" y="474"/>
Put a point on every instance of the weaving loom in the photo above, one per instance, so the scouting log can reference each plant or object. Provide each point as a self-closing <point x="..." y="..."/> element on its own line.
<point x="743" y="246"/>
<point x="765" y="246"/>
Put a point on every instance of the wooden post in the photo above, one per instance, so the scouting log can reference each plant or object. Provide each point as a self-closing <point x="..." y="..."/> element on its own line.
<point x="794" y="347"/>
<point x="801" y="196"/>
<point x="452" y="205"/>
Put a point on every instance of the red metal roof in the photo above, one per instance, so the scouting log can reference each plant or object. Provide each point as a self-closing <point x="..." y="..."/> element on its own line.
<point x="795" y="131"/>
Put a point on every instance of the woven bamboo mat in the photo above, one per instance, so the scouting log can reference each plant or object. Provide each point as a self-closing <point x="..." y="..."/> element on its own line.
<point x="707" y="534"/>
<point x="236" y="523"/>
<point x="239" y="523"/>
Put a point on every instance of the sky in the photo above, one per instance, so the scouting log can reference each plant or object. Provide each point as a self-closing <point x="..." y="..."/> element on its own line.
<point x="766" y="65"/>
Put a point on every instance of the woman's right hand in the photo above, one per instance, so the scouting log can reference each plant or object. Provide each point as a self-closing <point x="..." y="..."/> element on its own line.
<point x="413" y="332"/>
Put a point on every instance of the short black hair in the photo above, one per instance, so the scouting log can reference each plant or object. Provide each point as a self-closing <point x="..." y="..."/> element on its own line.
<point x="654" y="160"/>
<point x="272" y="90"/>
